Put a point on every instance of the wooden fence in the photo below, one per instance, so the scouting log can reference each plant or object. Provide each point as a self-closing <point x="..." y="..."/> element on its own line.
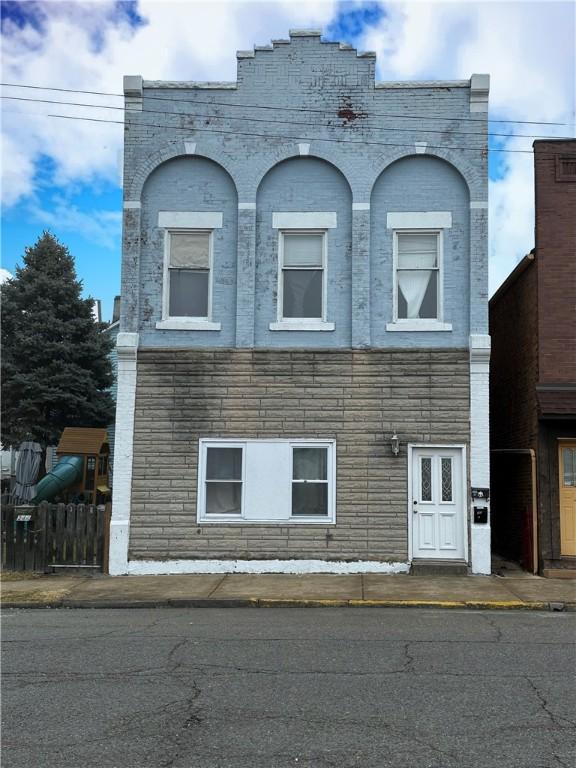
<point x="55" y="535"/>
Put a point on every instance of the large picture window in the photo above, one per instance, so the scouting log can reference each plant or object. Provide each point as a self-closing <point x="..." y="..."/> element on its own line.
<point x="267" y="481"/>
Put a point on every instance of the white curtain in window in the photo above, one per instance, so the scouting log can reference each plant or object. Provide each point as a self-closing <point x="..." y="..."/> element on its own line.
<point x="417" y="254"/>
<point x="413" y="286"/>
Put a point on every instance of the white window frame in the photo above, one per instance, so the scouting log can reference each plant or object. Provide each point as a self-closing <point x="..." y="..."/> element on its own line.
<point x="286" y="491"/>
<point x="187" y="222"/>
<point x="330" y="480"/>
<point x="419" y="223"/>
<point x="302" y="323"/>
<point x="202" y="464"/>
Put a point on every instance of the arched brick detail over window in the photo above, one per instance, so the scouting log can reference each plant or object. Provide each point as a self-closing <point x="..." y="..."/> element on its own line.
<point x="345" y="166"/>
<point x="474" y="179"/>
<point x="169" y="152"/>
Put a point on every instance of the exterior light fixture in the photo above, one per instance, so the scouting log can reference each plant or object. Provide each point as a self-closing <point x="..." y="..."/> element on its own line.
<point x="395" y="444"/>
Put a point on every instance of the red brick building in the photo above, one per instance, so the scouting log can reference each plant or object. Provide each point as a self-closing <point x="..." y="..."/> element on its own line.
<point x="533" y="381"/>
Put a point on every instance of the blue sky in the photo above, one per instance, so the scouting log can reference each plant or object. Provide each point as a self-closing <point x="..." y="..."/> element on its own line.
<point x="65" y="175"/>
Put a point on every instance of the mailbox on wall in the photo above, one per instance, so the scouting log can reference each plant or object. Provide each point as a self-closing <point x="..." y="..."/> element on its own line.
<point x="480" y="515"/>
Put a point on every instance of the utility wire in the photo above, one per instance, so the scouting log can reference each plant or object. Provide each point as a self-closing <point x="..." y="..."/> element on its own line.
<point x="345" y="126"/>
<point x="278" y="137"/>
<point x="284" y="109"/>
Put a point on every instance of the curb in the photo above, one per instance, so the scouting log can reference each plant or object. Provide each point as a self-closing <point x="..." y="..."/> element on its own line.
<point x="255" y="602"/>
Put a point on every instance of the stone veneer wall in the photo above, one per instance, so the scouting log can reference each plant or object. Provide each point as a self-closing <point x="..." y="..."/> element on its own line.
<point x="355" y="397"/>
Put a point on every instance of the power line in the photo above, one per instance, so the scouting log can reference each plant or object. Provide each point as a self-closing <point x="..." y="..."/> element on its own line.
<point x="284" y="109"/>
<point x="279" y="137"/>
<point x="282" y="122"/>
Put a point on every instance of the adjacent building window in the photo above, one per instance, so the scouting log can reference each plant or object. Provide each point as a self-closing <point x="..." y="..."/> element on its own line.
<point x="266" y="481"/>
<point x="417" y="278"/>
<point x="302" y="275"/>
<point x="189" y="274"/>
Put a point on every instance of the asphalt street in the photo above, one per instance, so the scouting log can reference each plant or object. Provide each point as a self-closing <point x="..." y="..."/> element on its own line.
<point x="272" y="688"/>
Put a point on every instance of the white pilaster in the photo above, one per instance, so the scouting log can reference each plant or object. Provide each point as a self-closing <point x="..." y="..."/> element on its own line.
<point x="126" y="348"/>
<point x="480" y="447"/>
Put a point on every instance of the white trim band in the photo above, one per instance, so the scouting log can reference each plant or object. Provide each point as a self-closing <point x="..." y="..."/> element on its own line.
<point x="183" y="324"/>
<point x="158" y="567"/>
<point x="132" y="205"/>
<point x="302" y="325"/>
<point x="246" y="206"/>
<point x="478" y="204"/>
<point x="360" y="206"/>
<point x="304" y="220"/>
<point x="126" y="349"/>
<point x="418" y="325"/>
<point x="419" y="220"/>
<point x="189" y="220"/>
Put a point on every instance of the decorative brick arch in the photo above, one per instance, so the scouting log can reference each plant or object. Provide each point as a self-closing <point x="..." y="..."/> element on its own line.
<point x="346" y="169"/>
<point x="469" y="172"/>
<point x="170" y="152"/>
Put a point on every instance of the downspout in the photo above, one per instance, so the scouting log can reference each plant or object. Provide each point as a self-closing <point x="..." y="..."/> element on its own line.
<point x="532" y="453"/>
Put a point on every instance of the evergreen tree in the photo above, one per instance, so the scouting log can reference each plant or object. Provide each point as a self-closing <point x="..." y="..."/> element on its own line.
<point x="55" y="359"/>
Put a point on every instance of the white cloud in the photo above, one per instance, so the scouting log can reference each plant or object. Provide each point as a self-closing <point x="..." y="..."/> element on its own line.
<point x="5" y="275"/>
<point x="528" y="49"/>
<point x="180" y="40"/>
<point x="100" y="227"/>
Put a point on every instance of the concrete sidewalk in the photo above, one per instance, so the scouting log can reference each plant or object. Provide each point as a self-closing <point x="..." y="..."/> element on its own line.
<point x="515" y="591"/>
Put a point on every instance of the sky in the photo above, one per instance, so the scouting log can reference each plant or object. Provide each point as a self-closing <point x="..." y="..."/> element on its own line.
<point x="64" y="175"/>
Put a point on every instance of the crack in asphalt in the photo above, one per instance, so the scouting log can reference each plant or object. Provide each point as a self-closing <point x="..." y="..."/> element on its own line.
<point x="492" y="622"/>
<point x="558" y="720"/>
<point x="409" y="658"/>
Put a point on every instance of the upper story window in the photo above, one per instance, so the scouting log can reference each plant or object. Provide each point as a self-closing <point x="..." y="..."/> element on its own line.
<point x="417" y="247"/>
<point x="189" y="272"/>
<point x="302" y="270"/>
<point x="302" y="276"/>
<point x="188" y="269"/>
<point x="417" y="275"/>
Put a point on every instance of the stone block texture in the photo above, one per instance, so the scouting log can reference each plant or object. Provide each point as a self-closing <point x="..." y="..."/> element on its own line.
<point x="355" y="397"/>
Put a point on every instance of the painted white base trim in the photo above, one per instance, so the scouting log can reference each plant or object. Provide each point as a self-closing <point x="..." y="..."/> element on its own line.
<point x="119" y="532"/>
<point x="159" y="567"/>
<point x="481" y="553"/>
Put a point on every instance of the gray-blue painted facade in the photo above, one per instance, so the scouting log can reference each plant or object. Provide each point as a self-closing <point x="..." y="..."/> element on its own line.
<point x="207" y="147"/>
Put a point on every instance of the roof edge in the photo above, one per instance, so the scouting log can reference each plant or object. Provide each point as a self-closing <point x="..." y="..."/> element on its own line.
<point x="518" y="270"/>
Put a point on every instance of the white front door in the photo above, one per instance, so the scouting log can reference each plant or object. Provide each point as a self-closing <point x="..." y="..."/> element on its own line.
<point x="437" y="509"/>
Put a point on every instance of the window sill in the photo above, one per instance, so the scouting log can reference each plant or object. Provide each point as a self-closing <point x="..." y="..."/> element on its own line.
<point x="418" y="325"/>
<point x="183" y="324"/>
<point x="213" y="520"/>
<point x="302" y="325"/>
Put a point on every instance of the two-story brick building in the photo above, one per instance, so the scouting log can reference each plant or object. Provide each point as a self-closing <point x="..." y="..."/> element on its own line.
<point x="533" y="380"/>
<point x="303" y="355"/>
